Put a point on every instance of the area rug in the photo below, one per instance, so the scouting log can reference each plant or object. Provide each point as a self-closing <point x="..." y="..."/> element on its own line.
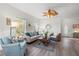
<point x="39" y="44"/>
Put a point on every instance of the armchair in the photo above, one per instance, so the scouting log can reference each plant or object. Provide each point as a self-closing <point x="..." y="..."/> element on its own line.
<point x="53" y="39"/>
<point x="13" y="49"/>
<point x="56" y="38"/>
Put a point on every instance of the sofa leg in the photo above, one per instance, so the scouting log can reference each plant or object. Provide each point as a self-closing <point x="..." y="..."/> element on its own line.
<point x="24" y="54"/>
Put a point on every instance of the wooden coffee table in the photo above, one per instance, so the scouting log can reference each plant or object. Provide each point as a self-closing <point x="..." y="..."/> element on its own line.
<point x="44" y="41"/>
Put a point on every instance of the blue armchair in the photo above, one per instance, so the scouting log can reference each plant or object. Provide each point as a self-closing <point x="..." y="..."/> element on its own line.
<point x="13" y="49"/>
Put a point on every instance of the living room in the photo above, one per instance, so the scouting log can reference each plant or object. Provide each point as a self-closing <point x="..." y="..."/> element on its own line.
<point x="45" y="28"/>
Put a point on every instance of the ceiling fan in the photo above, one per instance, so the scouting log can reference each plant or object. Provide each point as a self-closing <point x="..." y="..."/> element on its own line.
<point x="50" y="13"/>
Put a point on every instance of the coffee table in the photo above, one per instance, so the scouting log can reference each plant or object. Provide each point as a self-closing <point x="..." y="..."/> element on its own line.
<point x="44" y="40"/>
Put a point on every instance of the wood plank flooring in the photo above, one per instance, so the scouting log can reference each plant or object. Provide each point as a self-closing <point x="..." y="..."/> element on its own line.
<point x="67" y="47"/>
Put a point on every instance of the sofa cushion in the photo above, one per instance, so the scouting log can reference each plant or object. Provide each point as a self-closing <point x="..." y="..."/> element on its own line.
<point x="28" y="34"/>
<point x="34" y="33"/>
<point x="52" y="39"/>
<point x="6" y="40"/>
<point x="1" y="42"/>
<point x="52" y="34"/>
<point x="37" y="33"/>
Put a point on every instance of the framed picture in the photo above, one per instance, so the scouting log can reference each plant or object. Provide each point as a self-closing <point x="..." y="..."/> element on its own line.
<point x="75" y="25"/>
<point x="8" y="21"/>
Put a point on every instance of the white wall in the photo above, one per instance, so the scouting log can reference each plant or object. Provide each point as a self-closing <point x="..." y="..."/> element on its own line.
<point x="55" y="22"/>
<point x="64" y="11"/>
<point x="9" y="11"/>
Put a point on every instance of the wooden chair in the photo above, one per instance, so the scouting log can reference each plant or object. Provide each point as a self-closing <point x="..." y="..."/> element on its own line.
<point x="58" y="37"/>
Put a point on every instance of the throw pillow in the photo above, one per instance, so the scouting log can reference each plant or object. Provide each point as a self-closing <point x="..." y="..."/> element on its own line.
<point x="1" y="42"/>
<point x="28" y="34"/>
<point x="6" y="40"/>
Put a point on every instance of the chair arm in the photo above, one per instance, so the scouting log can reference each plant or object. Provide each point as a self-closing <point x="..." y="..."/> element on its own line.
<point x="12" y="49"/>
<point x="27" y="38"/>
<point x="22" y="44"/>
<point x="23" y="47"/>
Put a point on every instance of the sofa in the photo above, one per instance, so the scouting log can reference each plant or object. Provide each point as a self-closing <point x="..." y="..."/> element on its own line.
<point x="13" y="49"/>
<point x="31" y="36"/>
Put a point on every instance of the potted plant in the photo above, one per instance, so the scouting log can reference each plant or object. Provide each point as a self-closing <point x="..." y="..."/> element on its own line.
<point x="46" y="34"/>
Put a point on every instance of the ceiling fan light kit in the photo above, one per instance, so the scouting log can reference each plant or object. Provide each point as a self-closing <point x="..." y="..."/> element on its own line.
<point x="50" y="12"/>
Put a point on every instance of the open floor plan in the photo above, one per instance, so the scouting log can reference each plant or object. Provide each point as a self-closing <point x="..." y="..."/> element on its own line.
<point x="39" y="29"/>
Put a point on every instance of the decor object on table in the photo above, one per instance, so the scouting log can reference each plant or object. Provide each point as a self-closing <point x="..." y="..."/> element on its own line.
<point x="47" y="28"/>
<point x="50" y="13"/>
<point x="46" y="33"/>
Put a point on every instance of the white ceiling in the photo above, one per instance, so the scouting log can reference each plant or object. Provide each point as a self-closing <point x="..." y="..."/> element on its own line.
<point x="36" y="9"/>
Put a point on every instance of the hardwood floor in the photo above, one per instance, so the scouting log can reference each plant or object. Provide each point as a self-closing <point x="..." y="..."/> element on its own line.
<point x="67" y="47"/>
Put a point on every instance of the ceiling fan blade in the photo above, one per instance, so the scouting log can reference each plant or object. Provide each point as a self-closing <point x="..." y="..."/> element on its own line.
<point x="50" y="13"/>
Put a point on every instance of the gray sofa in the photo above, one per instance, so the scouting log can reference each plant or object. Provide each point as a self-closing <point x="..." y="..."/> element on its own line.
<point x="31" y="36"/>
